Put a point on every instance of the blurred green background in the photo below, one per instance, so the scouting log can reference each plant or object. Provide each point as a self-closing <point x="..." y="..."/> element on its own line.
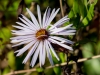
<point x="85" y="17"/>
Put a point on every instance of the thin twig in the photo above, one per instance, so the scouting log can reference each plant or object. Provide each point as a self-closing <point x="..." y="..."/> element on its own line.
<point x="62" y="11"/>
<point x="56" y="65"/>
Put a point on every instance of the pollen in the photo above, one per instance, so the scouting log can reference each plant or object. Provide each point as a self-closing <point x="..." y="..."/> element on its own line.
<point x="42" y="34"/>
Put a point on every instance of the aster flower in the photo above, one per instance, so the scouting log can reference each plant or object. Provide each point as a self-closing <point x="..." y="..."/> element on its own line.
<point x="38" y="35"/>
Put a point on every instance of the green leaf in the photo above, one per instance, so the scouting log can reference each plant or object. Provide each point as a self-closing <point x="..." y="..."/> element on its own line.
<point x="28" y="1"/>
<point x="82" y="8"/>
<point x="70" y="3"/>
<point x="6" y="70"/>
<point x="87" y="50"/>
<point x="94" y="64"/>
<point x="71" y="14"/>
<point x="11" y="60"/>
<point x="14" y="6"/>
<point x="85" y="2"/>
<point x="76" y="21"/>
<point x="89" y="16"/>
<point x="79" y="7"/>
<point x="85" y="21"/>
<point x="62" y="57"/>
<point x="91" y="10"/>
<point x="39" y="69"/>
<point x="92" y="67"/>
<point x="5" y="34"/>
<point x="75" y="7"/>
<point x="57" y="70"/>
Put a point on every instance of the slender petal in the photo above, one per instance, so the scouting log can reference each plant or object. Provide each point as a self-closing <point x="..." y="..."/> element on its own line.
<point x="49" y="53"/>
<point x="39" y="15"/>
<point x="69" y="30"/>
<point x="31" y="25"/>
<point x="23" y="25"/>
<point x="44" y="52"/>
<point x="23" y="42"/>
<point x="22" y="37"/>
<point x="60" y="22"/>
<point x="27" y="23"/>
<point x="62" y="40"/>
<point x="35" y="56"/>
<point x="44" y="17"/>
<point x="33" y="18"/>
<point x="53" y="50"/>
<point x="60" y="29"/>
<point x="21" y="51"/>
<point x="52" y="16"/>
<point x="64" y="33"/>
<point x="20" y="40"/>
<point x="53" y="11"/>
<point x="32" y="50"/>
<point x="21" y="32"/>
<point x="19" y="27"/>
<point x="63" y="45"/>
<point x="47" y="18"/>
<point x="41" y="50"/>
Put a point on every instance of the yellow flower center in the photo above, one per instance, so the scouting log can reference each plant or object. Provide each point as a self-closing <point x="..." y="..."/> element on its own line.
<point x="42" y="34"/>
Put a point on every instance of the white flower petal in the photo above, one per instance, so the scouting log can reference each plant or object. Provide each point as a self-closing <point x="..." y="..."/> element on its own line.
<point x="52" y="16"/>
<point x="39" y="14"/>
<point x="44" y="18"/>
<point x="22" y="42"/>
<point x="31" y="25"/>
<point x="60" y="22"/>
<point x="33" y="18"/>
<point x="62" y="40"/>
<point x="25" y="48"/>
<point x="69" y="30"/>
<point x="60" y="29"/>
<point x="16" y="51"/>
<point x="52" y="49"/>
<point x="20" y="39"/>
<point x="25" y="22"/>
<point x="22" y="32"/>
<point x="35" y="56"/>
<point x="19" y="27"/>
<point x="47" y="18"/>
<point x="63" y="45"/>
<point x="64" y="33"/>
<point x="53" y="11"/>
<point x="41" y="55"/>
<point x="32" y="50"/>
<point x="23" y="25"/>
<point x="44" y="53"/>
<point x="49" y="53"/>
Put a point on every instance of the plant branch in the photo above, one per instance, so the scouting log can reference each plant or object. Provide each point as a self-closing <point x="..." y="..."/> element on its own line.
<point x="62" y="11"/>
<point x="62" y="64"/>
